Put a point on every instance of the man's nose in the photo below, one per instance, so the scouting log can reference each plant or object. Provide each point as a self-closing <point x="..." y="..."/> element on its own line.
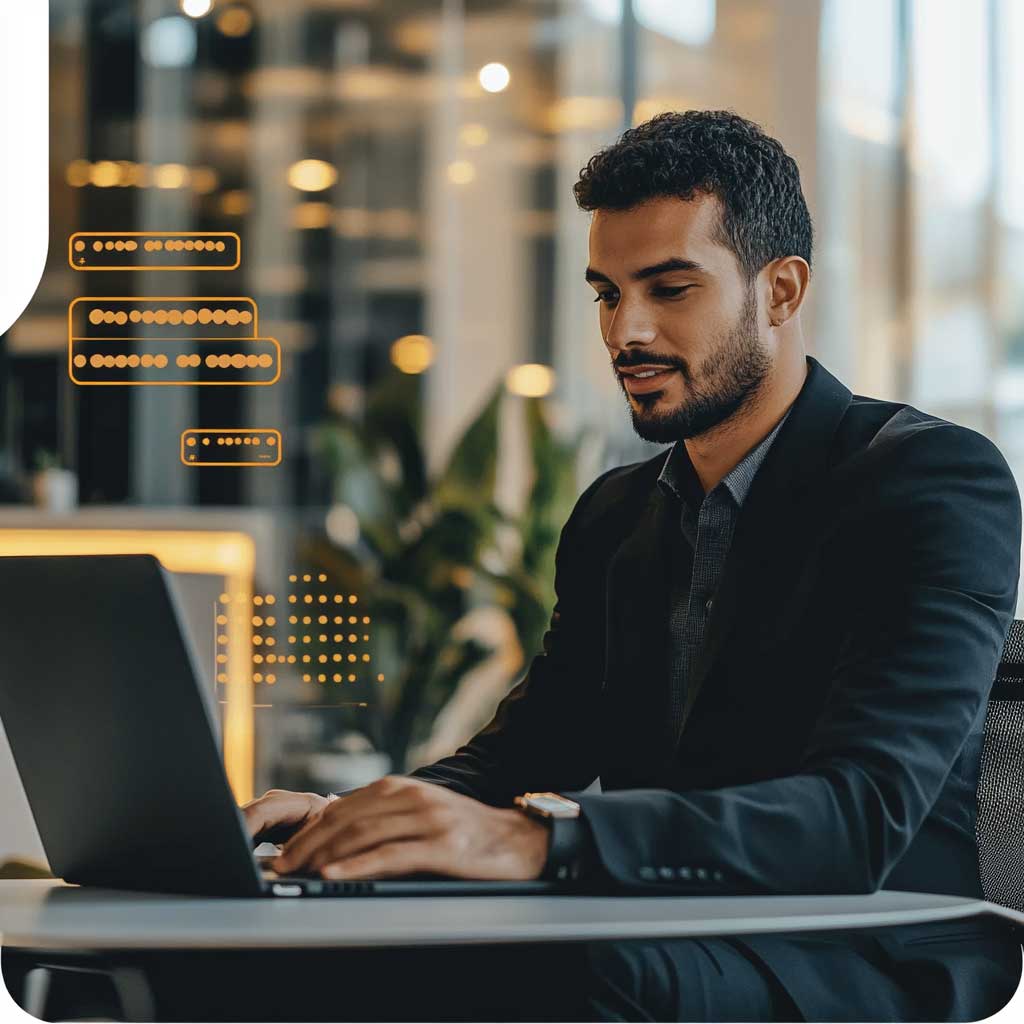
<point x="629" y="325"/>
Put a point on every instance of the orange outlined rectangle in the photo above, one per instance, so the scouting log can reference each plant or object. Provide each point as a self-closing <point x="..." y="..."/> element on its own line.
<point x="154" y="250"/>
<point x="162" y="316"/>
<point x="225" y="447"/>
<point x="180" y="361"/>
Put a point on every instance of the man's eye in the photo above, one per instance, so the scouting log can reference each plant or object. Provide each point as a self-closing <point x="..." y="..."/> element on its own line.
<point x="666" y="292"/>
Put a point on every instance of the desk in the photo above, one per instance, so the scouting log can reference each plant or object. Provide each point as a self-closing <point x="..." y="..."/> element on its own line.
<point x="48" y="928"/>
<point x="48" y="915"/>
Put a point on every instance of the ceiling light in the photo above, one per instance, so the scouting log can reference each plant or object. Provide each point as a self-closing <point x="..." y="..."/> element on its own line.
<point x="412" y="353"/>
<point x="494" y="77"/>
<point x="235" y="21"/>
<point x="169" y="43"/>
<point x="461" y="172"/>
<point x="312" y="175"/>
<point x="170" y="175"/>
<point x="530" y="380"/>
<point x="196" y="8"/>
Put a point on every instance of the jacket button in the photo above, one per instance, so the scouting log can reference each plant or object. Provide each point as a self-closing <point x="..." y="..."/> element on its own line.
<point x="648" y="874"/>
<point x="667" y="873"/>
<point x="685" y="873"/>
<point x="702" y="874"/>
<point x="708" y="603"/>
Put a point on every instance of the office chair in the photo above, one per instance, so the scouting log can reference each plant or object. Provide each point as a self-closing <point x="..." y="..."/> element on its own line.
<point x="999" y="831"/>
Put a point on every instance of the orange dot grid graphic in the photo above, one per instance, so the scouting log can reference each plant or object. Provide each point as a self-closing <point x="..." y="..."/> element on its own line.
<point x="280" y="651"/>
<point x="231" y="447"/>
<point x="176" y="340"/>
<point x="154" y="250"/>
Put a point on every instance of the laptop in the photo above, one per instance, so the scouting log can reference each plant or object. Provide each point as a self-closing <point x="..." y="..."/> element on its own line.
<point x="116" y="745"/>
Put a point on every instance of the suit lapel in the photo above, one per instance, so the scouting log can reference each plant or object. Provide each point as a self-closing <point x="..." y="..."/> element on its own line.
<point x="638" y="587"/>
<point x="637" y="636"/>
<point x="767" y="532"/>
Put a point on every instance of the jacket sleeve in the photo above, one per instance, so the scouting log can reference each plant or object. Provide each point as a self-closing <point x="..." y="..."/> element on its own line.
<point x="542" y="735"/>
<point x="922" y="641"/>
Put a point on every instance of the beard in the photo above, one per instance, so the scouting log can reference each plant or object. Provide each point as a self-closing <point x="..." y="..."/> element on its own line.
<point x="729" y="378"/>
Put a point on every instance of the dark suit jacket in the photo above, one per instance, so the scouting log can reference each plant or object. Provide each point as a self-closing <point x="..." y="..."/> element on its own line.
<point x="834" y="719"/>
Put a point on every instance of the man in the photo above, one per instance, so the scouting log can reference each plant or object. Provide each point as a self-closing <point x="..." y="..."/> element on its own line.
<point x="773" y="644"/>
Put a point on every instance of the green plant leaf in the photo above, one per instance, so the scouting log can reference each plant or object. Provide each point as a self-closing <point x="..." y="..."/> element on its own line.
<point x="469" y="476"/>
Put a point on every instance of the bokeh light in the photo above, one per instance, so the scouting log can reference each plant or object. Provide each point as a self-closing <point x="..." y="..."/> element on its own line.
<point x="312" y="175"/>
<point x="531" y="380"/>
<point x="494" y="77"/>
<point x="412" y="353"/>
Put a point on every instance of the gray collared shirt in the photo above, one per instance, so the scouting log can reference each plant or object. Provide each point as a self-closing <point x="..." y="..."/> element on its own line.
<point x="707" y="523"/>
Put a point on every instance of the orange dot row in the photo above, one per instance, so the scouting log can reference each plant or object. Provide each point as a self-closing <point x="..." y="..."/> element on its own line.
<point x="238" y="361"/>
<point x="248" y="439"/>
<point x="97" y="361"/>
<point x="336" y="677"/>
<point x="178" y="244"/>
<point x="307" y="578"/>
<point x="339" y="638"/>
<point x="171" y="316"/>
<point x="323" y="659"/>
<point x="257" y="677"/>
<point x="120" y="246"/>
<point x="273" y="659"/>
<point x="322" y="598"/>
<point x="322" y="619"/>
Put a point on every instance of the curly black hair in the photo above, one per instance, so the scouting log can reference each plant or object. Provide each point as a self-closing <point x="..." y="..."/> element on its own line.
<point x="716" y="152"/>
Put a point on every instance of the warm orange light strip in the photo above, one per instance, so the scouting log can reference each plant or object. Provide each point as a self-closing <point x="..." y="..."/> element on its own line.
<point x="231" y="555"/>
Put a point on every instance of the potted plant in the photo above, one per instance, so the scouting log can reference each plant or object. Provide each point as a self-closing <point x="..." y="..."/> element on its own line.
<point x="440" y="564"/>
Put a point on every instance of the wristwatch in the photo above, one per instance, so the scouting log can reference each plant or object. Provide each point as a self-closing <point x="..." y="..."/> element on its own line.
<point x="566" y="851"/>
<point x="547" y="805"/>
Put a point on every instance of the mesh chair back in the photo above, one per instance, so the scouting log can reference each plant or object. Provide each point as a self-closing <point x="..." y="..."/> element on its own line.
<point x="999" y="831"/>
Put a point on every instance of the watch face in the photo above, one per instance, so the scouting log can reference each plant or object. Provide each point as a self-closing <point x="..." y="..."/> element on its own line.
<point x="553" y="804"/>
<point x="547" y="803"/>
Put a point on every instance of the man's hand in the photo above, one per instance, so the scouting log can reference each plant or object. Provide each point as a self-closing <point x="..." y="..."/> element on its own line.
<point x="278" y="813"/>
<point x="400" y="826"/>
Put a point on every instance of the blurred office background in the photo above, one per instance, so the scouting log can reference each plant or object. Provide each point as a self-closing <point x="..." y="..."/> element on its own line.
<point x="400" y="173"/>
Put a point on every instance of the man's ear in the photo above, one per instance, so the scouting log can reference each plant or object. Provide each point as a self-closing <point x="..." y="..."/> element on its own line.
<point x="786" y="281"/>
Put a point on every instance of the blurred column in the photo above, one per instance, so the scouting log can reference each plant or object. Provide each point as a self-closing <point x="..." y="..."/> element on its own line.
<point x="165" y="142"/>
<point x="862" y="326"/>
<point x="951" y="185"/>
<point x="357" y="153"/>
<point x="587" y="114"/>
<point x="282" y="85"/>
<point x="477" y="306"/>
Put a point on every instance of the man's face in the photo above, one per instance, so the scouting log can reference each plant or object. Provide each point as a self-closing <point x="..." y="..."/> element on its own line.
<point x="697" y="325"/>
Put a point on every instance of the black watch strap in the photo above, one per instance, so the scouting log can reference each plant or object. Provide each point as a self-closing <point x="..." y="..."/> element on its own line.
<point x="571" y="851"/>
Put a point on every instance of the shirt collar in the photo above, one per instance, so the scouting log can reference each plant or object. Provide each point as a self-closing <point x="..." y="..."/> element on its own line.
<point x="680" y="478"/>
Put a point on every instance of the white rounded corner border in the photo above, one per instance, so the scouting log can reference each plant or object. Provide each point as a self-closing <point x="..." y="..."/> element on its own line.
<point x="24" y="172"/>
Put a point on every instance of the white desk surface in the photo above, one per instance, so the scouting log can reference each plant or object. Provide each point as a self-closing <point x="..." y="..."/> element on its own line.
<point x="43" y="914"/>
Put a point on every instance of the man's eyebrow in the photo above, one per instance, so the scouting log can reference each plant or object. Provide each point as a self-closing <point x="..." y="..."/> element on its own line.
<point x="672" y="263"/>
